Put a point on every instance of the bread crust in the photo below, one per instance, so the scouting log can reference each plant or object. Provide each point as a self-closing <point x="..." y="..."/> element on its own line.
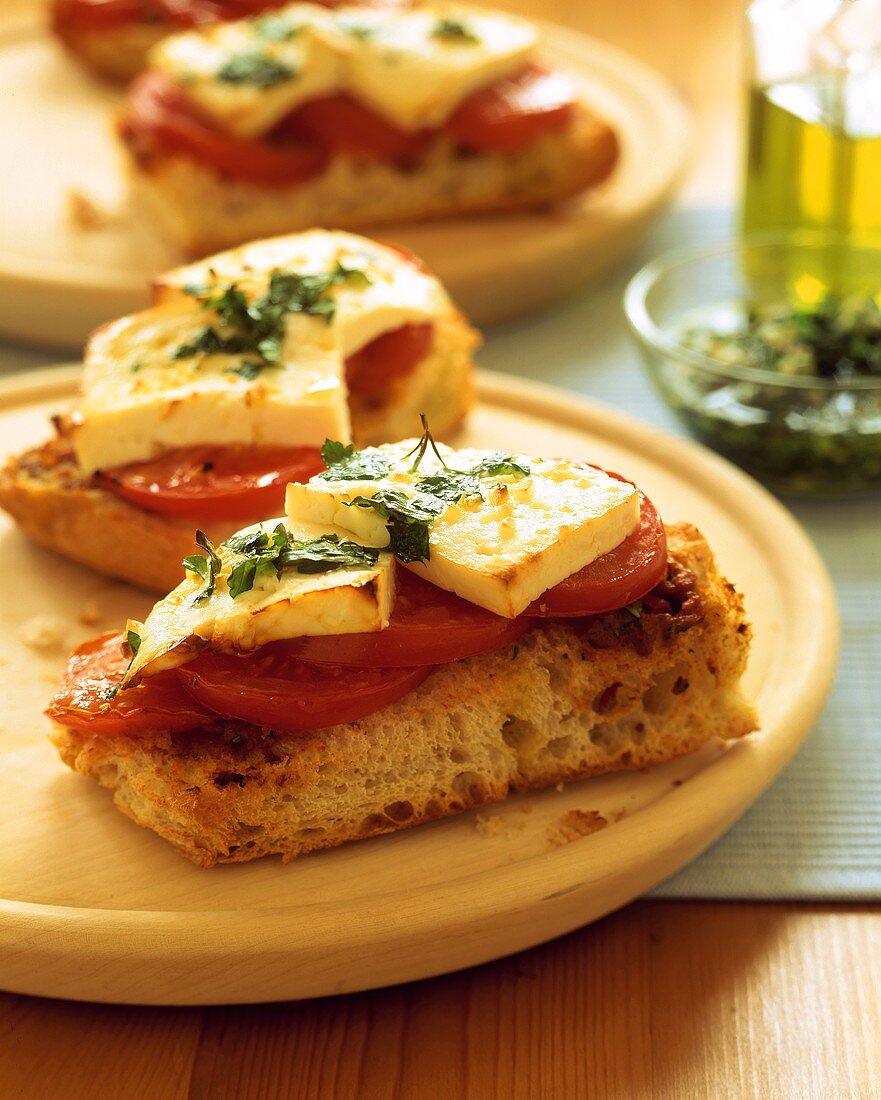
<point x="117" y="53"/>
<point x="203" y="211"/>
<point x="554" y="708"/>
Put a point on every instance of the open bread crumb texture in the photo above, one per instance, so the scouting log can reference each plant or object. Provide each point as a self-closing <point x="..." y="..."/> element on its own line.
<point x="529" y="716"/>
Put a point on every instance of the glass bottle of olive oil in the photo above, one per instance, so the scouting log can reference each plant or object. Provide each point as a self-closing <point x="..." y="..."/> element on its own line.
<point x="814" y="154"/>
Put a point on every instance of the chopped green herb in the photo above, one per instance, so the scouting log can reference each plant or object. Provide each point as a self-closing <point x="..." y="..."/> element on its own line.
<point x="275" y="551"/>
<point x="450" y="486"/>
<point x="135" y="367"/>
<point x="255" y="68"/>
<point x="134" y="641"/>
<point x="358" y="31"/>
<point x="250" y="369"/>
<point x="205" y="567"/>
<point x="258" y="326"/>
<point x="455" y="31"/>
<point x="276" y="28"/>
<point x="407" y="520"/>
<point x="344" y="463"/>
<point x="499" y="464"/>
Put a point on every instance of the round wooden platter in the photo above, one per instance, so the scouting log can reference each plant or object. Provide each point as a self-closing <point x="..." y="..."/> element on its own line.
<point x="59" y="281"/>
<point x="95" y="908"/>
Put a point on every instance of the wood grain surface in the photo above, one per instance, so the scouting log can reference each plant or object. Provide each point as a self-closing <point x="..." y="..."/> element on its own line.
<point x="685" y="1000"/>
<point x="664" y="999"/>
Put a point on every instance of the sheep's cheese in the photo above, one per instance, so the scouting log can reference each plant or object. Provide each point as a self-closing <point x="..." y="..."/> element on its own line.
<point x="248" y="80"/>
<point x="343" y="601"/>
<point x="138" y="400"/>
<point x="413" y="67"/>
<point x="396" y="293"/>
<point x="139" y="397"/>
<point x="500" y="549"/>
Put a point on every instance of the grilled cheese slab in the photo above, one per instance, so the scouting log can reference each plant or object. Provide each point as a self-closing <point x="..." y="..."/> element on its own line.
<point x="247" y="348"/>
<point x="210" y="607"/>
<point x="501" y="529"/>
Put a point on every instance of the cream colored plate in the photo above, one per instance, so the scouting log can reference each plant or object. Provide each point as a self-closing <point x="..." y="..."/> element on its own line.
<point x="57" y="283"/>
<point x="96" y="908"/>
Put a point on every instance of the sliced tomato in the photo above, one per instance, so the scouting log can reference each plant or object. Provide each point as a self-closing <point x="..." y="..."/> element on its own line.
<point x="428" y="627"/>
<point x="209" y="482"/>
<point x="616" y="579"/>
<point x="195" y="13"/>
<point x="339" y="124"/>
<point x="98" y="15"/>
<point x="513" y="113"/>
<point x="274" y="690"/>
<point x="372" y="369"/>
<point x="158" y="115"/>
<point x="84" y="701"/>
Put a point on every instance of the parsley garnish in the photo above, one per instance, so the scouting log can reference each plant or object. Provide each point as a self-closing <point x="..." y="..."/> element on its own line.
<point x="250" y="370"/>
<point x="359" y="31"/>
<point x="407" y="520"/>
<point x="273" y="552"/>
<point x="258" y="326"/>
<point x="206" y="567"/>
<point x="276" y="28"/>
<point x="134" y="642"/>
<point x="344" y="463"/>
<point x="255" y="68"/>
<point x="426" y="441"/>
<point x="453" y="30"/>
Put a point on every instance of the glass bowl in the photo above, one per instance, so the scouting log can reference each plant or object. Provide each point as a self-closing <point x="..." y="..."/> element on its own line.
<point x="800" y="434"/>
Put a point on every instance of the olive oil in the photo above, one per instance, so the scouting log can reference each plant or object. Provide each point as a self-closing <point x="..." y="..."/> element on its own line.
<point x="814" y="156"/>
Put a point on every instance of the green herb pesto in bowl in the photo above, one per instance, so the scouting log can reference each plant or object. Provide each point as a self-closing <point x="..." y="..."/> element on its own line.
<point x="769" y="350"/>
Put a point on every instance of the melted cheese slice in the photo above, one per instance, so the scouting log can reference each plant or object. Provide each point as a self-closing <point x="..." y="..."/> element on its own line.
<point x="398" y="293"/>
<point x="414" y="67"/>
<point x="138" y="400"/>
<point x="305" y="66"/>
<point x="525" y="536"/>
<point x="416" y="76"/>
<point x="344" y="601"/>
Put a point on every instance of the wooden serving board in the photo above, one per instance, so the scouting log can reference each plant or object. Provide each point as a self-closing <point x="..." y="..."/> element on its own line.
<point x="93" y="907"/>
<point x="58" y="282"/>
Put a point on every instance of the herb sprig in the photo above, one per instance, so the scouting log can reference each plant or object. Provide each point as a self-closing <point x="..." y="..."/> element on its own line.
<point x="206" y="566"/>
<point x="344" y="463"/>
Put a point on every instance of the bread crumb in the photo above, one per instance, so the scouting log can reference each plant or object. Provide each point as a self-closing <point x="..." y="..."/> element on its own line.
<point x="91" y="614"/>
<point x="574" y="825"/>
<point x="489" y="824"/>
<point x="43" y="632"/>
<point x="84" y="213"/>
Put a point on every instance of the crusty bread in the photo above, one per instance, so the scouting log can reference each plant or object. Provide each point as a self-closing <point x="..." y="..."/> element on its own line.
<point x="118" y="53"/>
<point x="203" y="211"/>
<point x="57" y="507"/>
<point x="564" y="703"/>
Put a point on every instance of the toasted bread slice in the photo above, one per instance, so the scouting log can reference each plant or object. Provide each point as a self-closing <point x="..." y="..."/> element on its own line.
<point x="571" y="699"/>
<point x="203" y="211"/>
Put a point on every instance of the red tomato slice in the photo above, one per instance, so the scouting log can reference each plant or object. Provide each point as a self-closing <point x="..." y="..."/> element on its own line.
<point x="273" y="689"/>
<point x="339" y="124"/>
<point x="513" y="113"/>
<point x="616" y="579"/>
<point x="428" y="627"/>
<point x="372" y="369"/>
<point x="209" y="482"/>
<point x="98" y="15"/>
<point x="157" y="703"/>
<point x="157" y="114"/>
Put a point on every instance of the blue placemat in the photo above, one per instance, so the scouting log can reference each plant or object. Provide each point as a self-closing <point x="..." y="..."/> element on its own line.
<point x="817" y="832"/>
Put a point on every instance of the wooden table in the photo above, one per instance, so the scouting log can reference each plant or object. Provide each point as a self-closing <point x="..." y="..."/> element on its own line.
<point x="664" y="999"/>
